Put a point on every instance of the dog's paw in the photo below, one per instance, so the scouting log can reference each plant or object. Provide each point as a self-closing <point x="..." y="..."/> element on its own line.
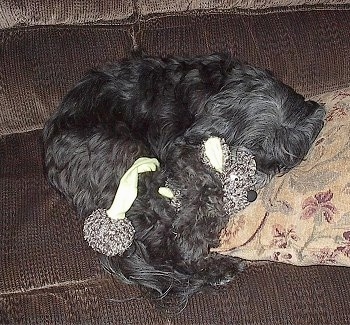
<point x="219" y="270"/>
<point x="222" y="279"/>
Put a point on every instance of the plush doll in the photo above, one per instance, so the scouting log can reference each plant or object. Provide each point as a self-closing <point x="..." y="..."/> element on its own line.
<point x="109" y="232"/>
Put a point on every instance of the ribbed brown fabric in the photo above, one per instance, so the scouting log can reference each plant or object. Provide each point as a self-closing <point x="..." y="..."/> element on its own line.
<point x="48" y="275"/>
<point x="36" y="228"/>
<point x="39" y="65"/>
<point x="19" y="13"/>
<point x="308" y="50"/>
<point x="149" y="7"/>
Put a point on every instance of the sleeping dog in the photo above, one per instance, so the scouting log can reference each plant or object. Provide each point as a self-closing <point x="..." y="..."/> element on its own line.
<point x="166" y="109"/>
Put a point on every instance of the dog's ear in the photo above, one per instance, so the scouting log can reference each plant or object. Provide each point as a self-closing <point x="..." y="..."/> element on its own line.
<point x="290" y="140"/>
<point x="138" y="53"/>
<point x="314" y="106"/>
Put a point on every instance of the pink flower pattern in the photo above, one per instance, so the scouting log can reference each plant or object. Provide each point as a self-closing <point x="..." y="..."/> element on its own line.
<point x="326" y="256"/>
<point x="321" y="208"/>
<point x="326" y="236"/>
<point x="319" y="205"/>
<point x="282" y="236"/>
<point x="345" y="248"/>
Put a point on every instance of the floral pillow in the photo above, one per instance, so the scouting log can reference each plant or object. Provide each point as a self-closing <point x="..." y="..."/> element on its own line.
<point x="303" y="217"/>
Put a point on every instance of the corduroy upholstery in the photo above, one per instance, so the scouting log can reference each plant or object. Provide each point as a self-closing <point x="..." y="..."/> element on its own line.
<point x="25" y="13"/>
<point x="48" y="274"/>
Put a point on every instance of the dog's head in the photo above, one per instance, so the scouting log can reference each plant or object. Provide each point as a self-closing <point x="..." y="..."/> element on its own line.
<point x="255" y="110"/>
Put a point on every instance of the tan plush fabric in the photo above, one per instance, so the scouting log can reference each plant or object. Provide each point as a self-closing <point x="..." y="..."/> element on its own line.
<point x="14" y="13"/>
<point x="303" y="217"/>
<point x="147" y="7"/>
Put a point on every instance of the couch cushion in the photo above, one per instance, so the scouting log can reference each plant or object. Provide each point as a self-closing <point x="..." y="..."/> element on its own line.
<point x="20" y="13"/>
<point x="38" y="233"/>
<point x="307" y="50"/>
<point x="39" y="65"/>
<point x="150" y="7"/>
<point x="49" y="275"/>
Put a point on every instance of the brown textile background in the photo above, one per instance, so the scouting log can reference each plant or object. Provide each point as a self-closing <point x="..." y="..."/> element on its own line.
<point x="19" y="13"/>
<point x="39" y="65"/>
<point x="309" y="50"/>
<point x="147" y="7"/>
<point x="38" y="240"/>
<point x="48" y="275"/>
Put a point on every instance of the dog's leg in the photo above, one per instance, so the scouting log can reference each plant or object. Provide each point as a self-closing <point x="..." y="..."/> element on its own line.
<point x="196" y="234"/>
<point x="200" y="217"/>
<point x="86" y="167"/>
<point x="218" y="269"/>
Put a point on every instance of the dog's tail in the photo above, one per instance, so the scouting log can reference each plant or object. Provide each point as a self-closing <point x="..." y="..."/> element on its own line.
<point x="169" y="288"/>
<point x="171" y="284"/>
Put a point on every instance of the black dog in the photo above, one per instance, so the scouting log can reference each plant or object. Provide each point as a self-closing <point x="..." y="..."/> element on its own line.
<point x="166" y="108"/>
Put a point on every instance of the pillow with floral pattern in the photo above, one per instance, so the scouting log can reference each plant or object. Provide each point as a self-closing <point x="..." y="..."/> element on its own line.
<point x="303" y="217"/>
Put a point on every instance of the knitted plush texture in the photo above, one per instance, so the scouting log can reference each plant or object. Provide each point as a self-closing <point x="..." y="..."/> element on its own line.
<point x="106" y="235"/>
<point x="237" y="175"/>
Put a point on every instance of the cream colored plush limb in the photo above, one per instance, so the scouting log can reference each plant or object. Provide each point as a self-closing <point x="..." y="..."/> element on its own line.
<point x="127" y="189"/>
<point x="213" y="151"/>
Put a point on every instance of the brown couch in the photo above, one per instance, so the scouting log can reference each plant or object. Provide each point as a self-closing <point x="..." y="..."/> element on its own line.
<point x="48" y="274"/>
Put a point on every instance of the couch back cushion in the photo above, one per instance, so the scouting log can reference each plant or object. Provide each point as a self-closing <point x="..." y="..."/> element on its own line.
<point x="307" y="49"/>
<point x="147" y="7"/>
<point x="19" y="13"/>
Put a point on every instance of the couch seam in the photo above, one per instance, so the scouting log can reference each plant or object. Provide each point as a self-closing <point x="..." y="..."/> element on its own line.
<point x="51" y="287"/>
<point x="244" y="11"/>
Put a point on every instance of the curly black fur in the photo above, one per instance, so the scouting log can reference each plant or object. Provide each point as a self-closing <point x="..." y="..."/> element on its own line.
<point x="165" y="108"/>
